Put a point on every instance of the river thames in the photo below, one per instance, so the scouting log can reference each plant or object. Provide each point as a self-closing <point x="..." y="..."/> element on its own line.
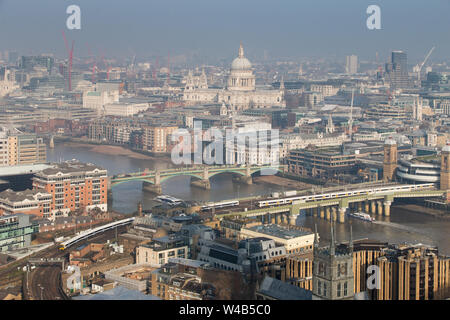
<point x="421" y="228"/>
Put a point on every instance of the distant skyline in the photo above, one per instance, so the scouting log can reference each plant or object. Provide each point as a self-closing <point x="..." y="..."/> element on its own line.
<point x="213" y="29"/>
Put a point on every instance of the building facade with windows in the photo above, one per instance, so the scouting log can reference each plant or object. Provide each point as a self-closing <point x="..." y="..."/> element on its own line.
<point x="16" y="231"/>
<point x="160" y="250"/>
<point x="31" y="202"/>
<point x="74" y="186"/>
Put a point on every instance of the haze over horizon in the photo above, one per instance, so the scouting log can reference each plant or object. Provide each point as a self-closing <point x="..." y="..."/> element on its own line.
<point x="210" y="29"/>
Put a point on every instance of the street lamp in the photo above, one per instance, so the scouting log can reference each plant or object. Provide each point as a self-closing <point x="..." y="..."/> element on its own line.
<point x="42" y="289"/>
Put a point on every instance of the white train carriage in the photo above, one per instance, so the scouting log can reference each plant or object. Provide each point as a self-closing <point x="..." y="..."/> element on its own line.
<point x="283" y="201"/>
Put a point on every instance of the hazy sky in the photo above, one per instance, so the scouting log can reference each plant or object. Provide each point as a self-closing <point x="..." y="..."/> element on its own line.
<point x="295" y="28"/>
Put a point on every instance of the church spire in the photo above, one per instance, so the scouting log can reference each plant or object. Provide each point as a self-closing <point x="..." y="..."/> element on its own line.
<point x="351" y="240"/>
<point x="241" y="51"/>
<point x="316" y="241"/>
<point x="332" y="248"/>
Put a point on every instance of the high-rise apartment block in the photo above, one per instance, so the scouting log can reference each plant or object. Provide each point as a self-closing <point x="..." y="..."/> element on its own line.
<point x="157" y="139"/>
<point x="351" y="65"/>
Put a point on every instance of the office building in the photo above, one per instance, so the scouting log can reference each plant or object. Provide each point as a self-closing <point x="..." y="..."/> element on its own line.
<point x="293" y="240"/>
<point x="181" y="280"/>
<point x="30" y="150"/>
<point x="160" y="250"/>
<point x="413" y="272"/>
<point x="16" y="231"/>
<point x="320" y="163"/>
<point x="21" y="149"/>
<point x="397" y="70"/>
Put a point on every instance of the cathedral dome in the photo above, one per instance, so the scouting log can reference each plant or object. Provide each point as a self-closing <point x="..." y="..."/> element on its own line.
<point x="241" y="62"/>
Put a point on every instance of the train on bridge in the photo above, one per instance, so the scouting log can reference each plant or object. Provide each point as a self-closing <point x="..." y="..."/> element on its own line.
<point x="220" y="205"/>
<point x="343" y="194"/>
<point x="91" y="232"/>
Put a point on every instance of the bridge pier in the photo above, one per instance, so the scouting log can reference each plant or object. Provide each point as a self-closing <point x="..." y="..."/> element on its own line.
<point x="373" y="208"/>
<point x="333" y="213"/>
<point x="243" y="179"/>
<point x="342" y="211"/>
<point x="321" y="212"/>
<point x="293" y="219"/>
<point x="273" y="219"/>
<point x="387" y="208"/>
<point x="204" y="184"/>
<point x="314" y="210"/>
<point x="327" y="213"/>
<point x="366" y="206"/>
<point x="380" y="208"/>
<point x="150" y="187"/>
<point x="359" y="205"/>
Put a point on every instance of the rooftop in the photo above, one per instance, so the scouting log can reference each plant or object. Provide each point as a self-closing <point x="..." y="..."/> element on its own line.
<point x="283" y="291"/>
<point x="279" y="231"/>
<point x="71" y="166"/>
<point x="14" y="196"/>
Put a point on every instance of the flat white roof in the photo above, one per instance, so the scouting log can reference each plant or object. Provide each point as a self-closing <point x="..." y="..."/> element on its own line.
<point x="23" y="169"/>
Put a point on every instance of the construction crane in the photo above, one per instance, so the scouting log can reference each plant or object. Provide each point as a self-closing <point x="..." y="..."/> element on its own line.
<point x="419" y="67"/>
<point x="70" y="52"/>
<point x="108" y="67"/>
<point x="92" y="60"/>
<point x="350" y="121"/>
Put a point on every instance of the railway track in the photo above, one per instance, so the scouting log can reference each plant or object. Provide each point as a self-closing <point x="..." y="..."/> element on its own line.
<point x="48" y="277"/>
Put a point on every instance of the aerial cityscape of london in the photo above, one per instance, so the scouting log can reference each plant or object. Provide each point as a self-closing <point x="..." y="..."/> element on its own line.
<point x="224" y="150"/>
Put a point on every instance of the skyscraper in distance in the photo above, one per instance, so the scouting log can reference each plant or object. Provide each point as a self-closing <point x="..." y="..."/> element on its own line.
<point x="351" y="65"/>
<point x="397" y="70"/>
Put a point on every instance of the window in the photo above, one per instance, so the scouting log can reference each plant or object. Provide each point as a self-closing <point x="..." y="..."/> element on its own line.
<point x="339" y="290"/>
<point x="345" y="288"/>
<point x="325" y="289"/>
<point x="319" y="287"/>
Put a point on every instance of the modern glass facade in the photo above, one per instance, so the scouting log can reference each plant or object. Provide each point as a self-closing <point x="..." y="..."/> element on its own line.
<point x="16" y="231"/>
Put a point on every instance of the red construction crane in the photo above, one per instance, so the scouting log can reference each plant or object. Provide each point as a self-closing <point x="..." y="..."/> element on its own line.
<point x="108" y="67"/>
<point x="70" y="52"/>
<point x="94" y="62"/>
